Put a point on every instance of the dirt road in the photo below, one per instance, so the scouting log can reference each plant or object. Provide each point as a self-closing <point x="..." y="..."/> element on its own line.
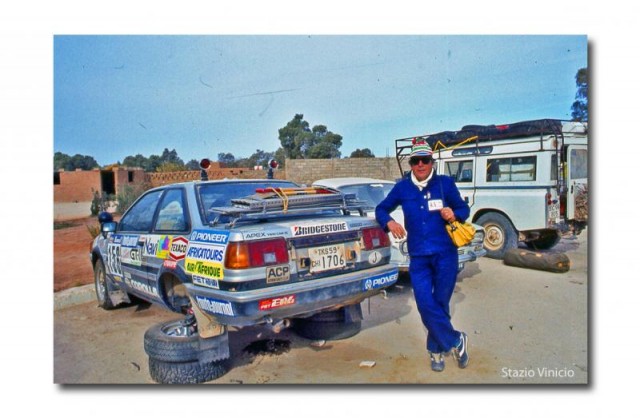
<point x="525" y="326"/>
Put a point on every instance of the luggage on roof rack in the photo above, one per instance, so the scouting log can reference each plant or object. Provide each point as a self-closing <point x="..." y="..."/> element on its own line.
<point x="492" y="132"/>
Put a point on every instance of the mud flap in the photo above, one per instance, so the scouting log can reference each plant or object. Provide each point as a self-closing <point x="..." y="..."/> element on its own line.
<point x="207" y="325"/>
<point x="553" y="262"/>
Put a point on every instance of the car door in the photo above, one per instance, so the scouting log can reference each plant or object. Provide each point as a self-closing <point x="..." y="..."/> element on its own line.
<point x="127" y="248"/>
<point x="577" y="159"/>
<point x="167" y="242"/>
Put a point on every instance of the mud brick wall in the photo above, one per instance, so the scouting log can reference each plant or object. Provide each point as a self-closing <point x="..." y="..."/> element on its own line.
<point x="77" y="186"/>
<point x="217" y="173"/>
<point x="308" y="171"/>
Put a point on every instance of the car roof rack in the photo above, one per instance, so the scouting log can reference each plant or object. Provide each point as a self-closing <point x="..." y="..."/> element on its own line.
<point x="276" y="201"/>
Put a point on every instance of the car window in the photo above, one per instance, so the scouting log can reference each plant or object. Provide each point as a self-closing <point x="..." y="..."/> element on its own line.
<point x="140" y="216"/>
<point x="372" y="193"/>
<point x="511" y="169"/>
<point x="460" y="171"/>
<point x="172" y="216"/>
<point x="215" y="195"/>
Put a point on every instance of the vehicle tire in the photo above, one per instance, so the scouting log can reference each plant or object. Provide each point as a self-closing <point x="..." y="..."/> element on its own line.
<point x="164" y="343"/>
<point x="188" y="372"/>
<point x="500" y="235"/>
<point x="171" y="342"/>
<point x="546" y="241"/>
<point x="330" y="325"/>
<point x="100" y="281"/>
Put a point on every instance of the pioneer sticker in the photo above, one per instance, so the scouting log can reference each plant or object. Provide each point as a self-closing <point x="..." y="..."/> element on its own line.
<point x="380" y="281"/>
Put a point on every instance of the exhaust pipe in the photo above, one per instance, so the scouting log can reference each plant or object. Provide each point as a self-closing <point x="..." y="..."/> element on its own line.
<point x="278" y="326"/>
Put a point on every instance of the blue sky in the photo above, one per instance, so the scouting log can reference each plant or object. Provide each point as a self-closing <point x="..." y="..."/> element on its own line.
<point x="124" y="95"/>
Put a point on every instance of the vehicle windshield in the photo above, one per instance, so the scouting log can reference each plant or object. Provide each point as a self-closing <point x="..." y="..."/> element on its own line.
<point x="372" y="193"/>
<point x="215" y="195"/>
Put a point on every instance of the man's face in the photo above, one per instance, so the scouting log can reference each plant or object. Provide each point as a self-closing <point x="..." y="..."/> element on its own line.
<point x="421" y="167"/>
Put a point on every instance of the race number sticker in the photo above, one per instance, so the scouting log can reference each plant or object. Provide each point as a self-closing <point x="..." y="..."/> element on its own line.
<point x="435" y="204"/>
<point x="114" y="264"/>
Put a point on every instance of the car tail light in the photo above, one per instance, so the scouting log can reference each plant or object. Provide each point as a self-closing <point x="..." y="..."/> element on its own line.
<point x="375" y="238"/>
<point x="242" y="255"/>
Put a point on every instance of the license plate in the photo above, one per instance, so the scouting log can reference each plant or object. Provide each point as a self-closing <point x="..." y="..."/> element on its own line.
<point x="554" y="211"/>
<point x="325" y="258"/>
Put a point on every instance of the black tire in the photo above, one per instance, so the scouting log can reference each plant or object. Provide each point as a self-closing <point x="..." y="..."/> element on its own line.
<point x="546" y="241"/>
<point x="169" y="342"/>
<point x="100" y="281"/>
<point x="500" y="235"/>
<point x="331" y="325"/>
<point x="186" y="372"/>
<point x="162" y="343"/>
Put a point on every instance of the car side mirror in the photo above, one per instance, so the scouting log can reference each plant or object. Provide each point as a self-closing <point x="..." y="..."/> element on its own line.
<point x="108" y="227"/>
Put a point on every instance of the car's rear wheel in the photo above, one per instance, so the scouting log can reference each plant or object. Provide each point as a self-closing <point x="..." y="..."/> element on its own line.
<point x="330" y="325"/>
<point x="546" y="241"/>
<point x="100" y="280"/>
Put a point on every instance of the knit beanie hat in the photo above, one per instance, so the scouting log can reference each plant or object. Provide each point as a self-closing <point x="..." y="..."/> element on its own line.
<point x="420" y="148"/>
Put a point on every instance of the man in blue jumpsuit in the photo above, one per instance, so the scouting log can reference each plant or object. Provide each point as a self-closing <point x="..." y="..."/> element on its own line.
<point x="429" y="201"/>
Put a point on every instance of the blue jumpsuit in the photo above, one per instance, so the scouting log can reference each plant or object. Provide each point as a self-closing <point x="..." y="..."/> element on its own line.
<point x="433" y="265"/>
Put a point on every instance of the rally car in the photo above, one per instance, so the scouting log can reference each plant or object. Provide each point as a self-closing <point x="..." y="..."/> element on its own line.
<point x="240" y="253"/>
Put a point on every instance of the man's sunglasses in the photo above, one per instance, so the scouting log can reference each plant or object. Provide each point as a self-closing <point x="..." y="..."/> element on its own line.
<point x="416" y="160"/>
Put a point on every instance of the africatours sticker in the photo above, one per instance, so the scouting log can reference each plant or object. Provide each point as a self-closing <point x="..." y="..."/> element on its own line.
<point x="314" y="229"/>
<point x="380" y="281"/>
<point x="205" y="254"/>
<point x="215" y="306"/>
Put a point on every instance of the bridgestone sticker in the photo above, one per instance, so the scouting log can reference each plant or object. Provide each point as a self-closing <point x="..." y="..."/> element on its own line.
<point x="306" y="230"/>
<point x="215" y="306"/>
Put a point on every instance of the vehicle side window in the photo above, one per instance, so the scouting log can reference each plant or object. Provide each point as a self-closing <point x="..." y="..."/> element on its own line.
<point x="578" y="164"/>
<point x="172" y="215"/>
<point x="140" y="216"/>
<point x="511" y="169"/>
<point x="460" y="171"/>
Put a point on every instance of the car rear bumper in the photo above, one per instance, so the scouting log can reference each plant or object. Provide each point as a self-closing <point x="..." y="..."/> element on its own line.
<point x="290" y="300"/>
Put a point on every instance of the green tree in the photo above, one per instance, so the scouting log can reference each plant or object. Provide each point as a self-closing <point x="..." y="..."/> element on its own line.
<point x="138" y="160"/>
<point x="68" y="163"/>
<point x="362" y="153"/>
<point x="227" y="159"/>
<point x="298" y="141"/>
<point x="192" y="165"/>
<point x="580" y="108"/>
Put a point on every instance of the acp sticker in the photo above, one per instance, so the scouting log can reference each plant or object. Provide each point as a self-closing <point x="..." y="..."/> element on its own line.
<point x="277" y="274"/>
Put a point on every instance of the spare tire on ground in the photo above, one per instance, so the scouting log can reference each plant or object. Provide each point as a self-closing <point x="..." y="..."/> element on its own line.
<point x="554" y="262"/>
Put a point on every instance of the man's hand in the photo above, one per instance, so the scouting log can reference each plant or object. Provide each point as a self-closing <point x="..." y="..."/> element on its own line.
<point x="447" y="214"/>
<point x="396" y="229"/>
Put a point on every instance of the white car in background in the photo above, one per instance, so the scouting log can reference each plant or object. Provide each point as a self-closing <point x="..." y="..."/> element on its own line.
<point x="373" y="191"/>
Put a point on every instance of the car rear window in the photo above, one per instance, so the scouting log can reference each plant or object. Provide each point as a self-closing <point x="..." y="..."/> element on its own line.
<point x="215" y="195"/>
